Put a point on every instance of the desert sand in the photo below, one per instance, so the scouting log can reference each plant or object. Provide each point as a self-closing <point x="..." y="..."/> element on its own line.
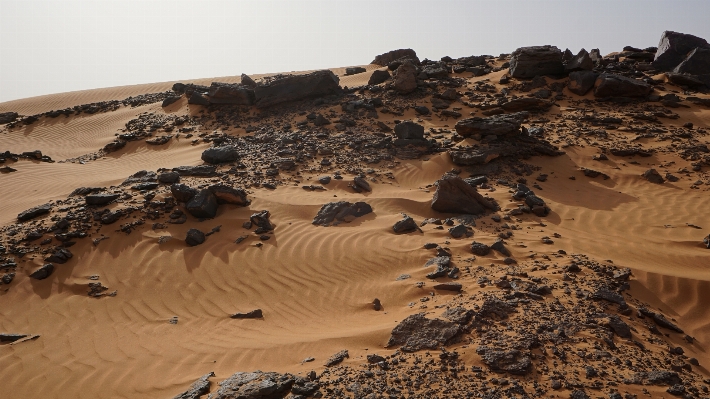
<point x="167" y="321"/>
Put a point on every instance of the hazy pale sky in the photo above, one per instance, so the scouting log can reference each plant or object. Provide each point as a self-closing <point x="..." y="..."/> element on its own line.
<point x="51" y="46"/>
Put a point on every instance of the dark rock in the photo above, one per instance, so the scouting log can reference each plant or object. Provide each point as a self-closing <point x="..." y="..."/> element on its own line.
<point x="660" y="320"/>
<point x="579" y="394"/>
<point x="406" y="225"/>
<point x="262" y="220"/>
<point x="608" y="85"/>
<point x="680" y="79"/>
<point x="580" y="62"/>
<point x="6" y="337"/>
<point x="376" y="304"/>
<point x="226" y="93"/>
<point x="142" y="176"/>
<point x="7" y="117"/>
<point x="253" y="314"/>
<point x="458" y="231"/>
<point x="194" y="237"/>
<point x="202" y="205"/>
<point x="453" y="195"/>
<point x="458" y="315"/>
<point x="288" y="88"/>
<point x="255" y="385"/>
<point x="100" y="199"/>
<point x="473" y="157"/>
<point x="528" y="62"/>
<point x="581" y="82"/>
<point x="341" y="211"/>
<point x="170" y="100"/>
<point x="505" y="361"/>
<point x="448" y="287"/>
<point x="658" y="377"/>
<point x="480" y="249"/>
<point x="360" y="184"/>
<point x="229" y="195"/>
<point x="416" y="332"/>
<point x="196" y="171"/>
<point x="378" y="76"/>
<point x="375" y="358"/>
<point x="422" y="110"/>
<point x="354" y="70"/>
<point x="43" y="272"/>
<point x="609" y="295"/>
<point x="182" y="193"/>
<point x="526" y="104"/>
<point x="34" y="212"/>
<point x="696" y="63"/>
<point x="386" y="58"/>
<point x="405" y="78"/>
<point x="169" y="178"/>
<point x="198" y="99"/>
<point x="674" y="47"/>
<point x="409" y="130"/>
<point x="337" y="358"/>
<point x="248" y="81"/>
<point x="217" y="155"/>
<point x="114" y="146"/>
<point x="499" y="246"/>
<point x="198" y="388"/>
<point x="653" y="176"/>
<point x="62" y="256"/>
<point x="321" y="120"/>
<point x="498" y="125"/>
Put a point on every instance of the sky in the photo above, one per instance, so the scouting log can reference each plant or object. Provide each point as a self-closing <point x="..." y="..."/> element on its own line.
<point x="54" y="46"/>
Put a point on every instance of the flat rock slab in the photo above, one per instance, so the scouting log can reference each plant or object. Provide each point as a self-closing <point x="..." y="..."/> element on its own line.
<point x="34" y="212"/>
<point x="417" y="332"/>
<point x="253" y="314"/>
<point x="341" y="211"/>
<point x="609" y="85"/>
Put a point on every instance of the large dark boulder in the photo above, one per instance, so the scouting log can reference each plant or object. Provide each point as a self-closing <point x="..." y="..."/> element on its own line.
<point x="182" y="192"/>
<point x="608" y="85"/>
<point x="341" y="211"/>
<point x="505" y="361"/>
<point x="386" y="58"/>
<point x="581" y="82"/>
<point x="34" y="212"/>
<point x="194" y="237"/>
<point x="528" y="62"/>
<point x="696" y="63"/>
<point x="7" y="117"/>
<point x="416" y="332"/>
<point x="674" y="47"/>
<point x="378" y="76"/>
<point x="198" y="99"/>
<point x="202" y="205"/>
<point x="257" y="385"/>
<point x="405" y="78"/>
<point x="226" y="93"/>
<point x="454" y="195"/>
<point x="288" y="88"/>
<point x="409" y="130"/>
<point x="580" y="62"/>
<point x="497" y="125"/>
<point x="100" y="199"/>
<point x="197" y="389"/>
<point x="229" y="195"/>
<point x="406" y="225"/>
<point x="222" y="154"/>
<point x="43" y="272"/>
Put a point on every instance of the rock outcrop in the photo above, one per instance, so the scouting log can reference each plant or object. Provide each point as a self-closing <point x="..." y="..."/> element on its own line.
<point x="454" y="195"/>
<point x="286" y="88"/>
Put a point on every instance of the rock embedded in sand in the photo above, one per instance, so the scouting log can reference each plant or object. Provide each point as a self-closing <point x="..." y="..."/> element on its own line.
<point x="259" y="385"/>
<point x="202" y="205"/>
<point x="480" y="249"/>
<point x="499" y="246"/>
<point x="610" y="85"/>
<point x="409" y="130"/>
<point x="248" y="81"/>
<point x="456" y="287"/>
<point x="9" y="337"/>
<point x="337" y="358"/>
<point x="286" y="88"/>
<point x="454" y="195"/>
<point x="674" y="47"/>
<point x="497" y="125"/>
<point x="406" y="225"/>
<point x="229" y="195"/>
<point x="198" y="388"/>
<point x="221" y="154"/>
<point x="262" y="220"/>
<point x="378" y="76"/>
<point x="660" y="319"/>
<point x="696" y="63"/>
<point x="341" y="211"/>
<point x="528" y="62"/>
<point x="182" y="192"/>
<point x="43" y="272"/>
<point x="417" y="332"/>
<point x="34" y="212"/>
<point x="196" y="171"/>
<point x="354" y="70"/>
<point x="61" y="256"/>
<point x="7" y="117"/>
<point x="194" y="237"/>
<point x="169" y="178"/>
<point x="252" y="314"/>
<point x="653" y="176"/>
<point x="505" y="361"/>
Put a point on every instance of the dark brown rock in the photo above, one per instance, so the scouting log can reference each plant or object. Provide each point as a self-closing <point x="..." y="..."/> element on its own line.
<point x="378" y="76"/>
<point x="253" y="314"/>
<point x="227" y="93"/>
<point x="528" y="62"/>
<point x="386" y="58"/>
<point x="229" y="195"/>
<point x="288" y="88"/>
<point x="581" y="82"/>
<point x="416" y="332"/>
<point x="43" y="272"/>
<point x="202" y="205"/>
<point x="197" y="389"/>
<point x="674" y="47"/>
<point x="34" y="212"/>
<point x="497" y="125"/>
<point x="608" y="85"/>
<point x="341" y="211"/>
<point x="194" y="237"/>
<point x="454" y="195"/>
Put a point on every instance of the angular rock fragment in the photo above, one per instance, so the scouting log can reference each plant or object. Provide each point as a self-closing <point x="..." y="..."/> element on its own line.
<point x="497" y="125"/>
<point x="43" y="272"/>
<point x="386" y="58"/>
<point x="528" y="62"/>
<point x="609" y="85"/>
<point x="194" y="237"/>
<point x="341" y="211"/>
<point x="198" y="388"/>
<point x="227" y="93"/>
<point x="253" y="314"/>
<point x="417" y="332"/>
<point x="229" y="195"/>
<point x="202" y="205"/>
<point x="222" y="154"/>
<point x="581" y="82"/>
<point x="34" y="212"/>
<point x="406" y="225"/>
<point x="454" y="195"/>
<point x="378" y="76"/>
<point x="505" y="361"/>
<point x="288" y="88"/>
<point x="674" y="47"/>
<point x="337" y="358"/>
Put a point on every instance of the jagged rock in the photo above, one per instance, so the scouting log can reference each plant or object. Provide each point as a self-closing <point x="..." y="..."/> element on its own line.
<point x="359" y="184"/>
<point x="528" y="62"/>
<point x="196" y="171"/>
<point x="227" y="93"/>
<point x="170" y="100"/>
<point x="341" y="211"/>
<point x="615" y="323"/>
<point x="253" y="314"/>
<point x="142" y="176"/>
<point x="169" y="178"/>
<point x="34" y="212"/>
<point x="229" y="195"/>
<point x="198" y="99"/>
<point x="182" y="193"/>
<point x="680" y="79"/>
<point x="248" y="81"/>
<point x="296" y="87"/>
<point x="198" y="388"/>
<point x="629" y="152"/>
<point x="337" y="358"/>
<point x="386" y="58"/>
<point x="608" y="295"/>
<point x="255" y="385"/>
<point x="378" y="76"/>
<point x="505" y="361"/>
<point x="43" y="272"/>
<point x="498" y="125"/>
<point x="262" y="220"/>
<point x="375" y="358"/>
<point x="453" y="195"/>
<point x="480" y="249"/>
<point x="458" y="315"/>
<point x="406" y="225"/>
<point x="409" y="130"/>
<point x="114" y="146"/>
<point x="62" y="256"/>
<point x="473" y="157"/>
<point x="580" y="62"/>
<point x="658" y="377"/>
<point x="674" y="47"/>
<point x="7" y="117"/>
<point x="100" y="199"/>
<point x="405" y="78"/>
<point x="526" y="104"/>
<point x="459" y="231"/>
<point x="499" y="246"/>
<point x="202" y="205"/>
<point x="608" y="85"/>
<point x="660" y="320"/>
<point x="222" y="154"/>
<point x="581" y="82"/>
<point x="653" y="176"/>
<point x="417" y="332"/>
<point x="194" y="237"/>
<point x="354" y="70"/>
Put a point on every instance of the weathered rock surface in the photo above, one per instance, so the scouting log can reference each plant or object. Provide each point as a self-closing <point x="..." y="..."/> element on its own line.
<point x="341" y="211"/>
<point x="196" y="171"/>
<point x="497" y="125"/>
<point x="34" y="212"/>
<point x="222" y="154"/>
<point x="409" y="130"/>
<point x="454" y="195"/>
<point x="480" y="249"/>
<point x="581" y="82"/>
<point x="255" y="385"/>
<point x="182" y="192"/>
<point x="406" y="225"/>
<point x="580" y="62"/>
<point x="505" y="361"/>
<point x="198" y="388"/>
<point x="229" y="195"/>
<point x="337" y="358"/>
<point x="405" y="78"/>
<point x="100" y="199"/>
<point x="194" y="237"/>
<point x="417" y="332"/>
<point x="528" y="62"/>
<point x="253" y="314"/>
<point x="386" y="58"/>
<point x="608" y="85"/>
<point x="43" y="272"/>
<point x="202" y="205"/>
<point x="228" y="93"/>
<point x="378" y="76"/>
<point x="653" y="176"/>
<point x="674" y="47"/>
<point x="7" y="117"/>
<point x="296" y="87"/>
